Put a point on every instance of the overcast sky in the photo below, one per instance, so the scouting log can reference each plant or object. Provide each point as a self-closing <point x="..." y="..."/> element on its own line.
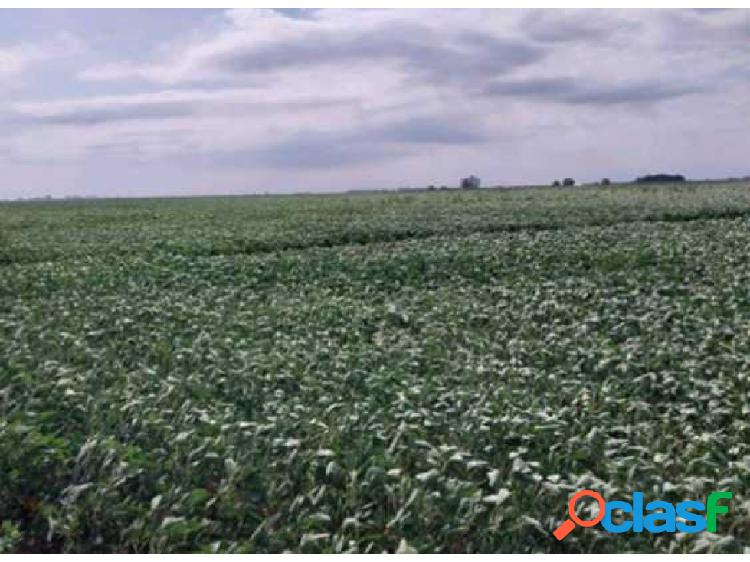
<point x="158" y="102"/>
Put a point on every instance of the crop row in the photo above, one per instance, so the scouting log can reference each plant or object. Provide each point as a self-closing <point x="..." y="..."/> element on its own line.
<point x="444" y="394"/>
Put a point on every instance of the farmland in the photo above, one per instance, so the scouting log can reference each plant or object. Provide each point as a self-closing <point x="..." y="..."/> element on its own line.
<point x="435" y="372"/>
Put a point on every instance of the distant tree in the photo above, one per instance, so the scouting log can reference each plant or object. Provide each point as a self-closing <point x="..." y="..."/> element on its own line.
<point x="472" y="182"/>
<point x="569" y="181"/>
<point x="605" y="181"/>
<point x="430" y="188"/>
<point x="556" y="183"/>
<point x="660" y="178"/>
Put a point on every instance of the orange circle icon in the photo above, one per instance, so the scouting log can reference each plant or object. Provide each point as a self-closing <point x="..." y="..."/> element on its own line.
<point x="569" y="524"/>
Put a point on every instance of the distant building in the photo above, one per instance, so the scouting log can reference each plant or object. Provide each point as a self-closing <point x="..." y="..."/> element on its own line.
<point x="472" y="182"/>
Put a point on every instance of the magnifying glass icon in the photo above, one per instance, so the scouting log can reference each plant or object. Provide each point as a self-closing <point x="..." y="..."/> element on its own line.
<point x="569" y="524"/>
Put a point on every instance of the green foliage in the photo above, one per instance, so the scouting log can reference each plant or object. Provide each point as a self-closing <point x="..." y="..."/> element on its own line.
<point x="10" y="536"/>
<point x="432" y="373"/>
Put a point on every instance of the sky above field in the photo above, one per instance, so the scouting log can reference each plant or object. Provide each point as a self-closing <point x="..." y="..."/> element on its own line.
<point x="158" y="102"/>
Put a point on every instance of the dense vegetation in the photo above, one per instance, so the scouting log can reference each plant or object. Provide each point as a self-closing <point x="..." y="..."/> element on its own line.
<point x="660" y="178"/>
<point x="435" y="371"/>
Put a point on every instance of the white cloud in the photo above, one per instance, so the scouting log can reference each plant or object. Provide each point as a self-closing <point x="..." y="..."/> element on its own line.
<point x="264" y="43"/>
<point x="342" y="98"/>
<point x="16" y="60"/>
<point x="12" y="61"/>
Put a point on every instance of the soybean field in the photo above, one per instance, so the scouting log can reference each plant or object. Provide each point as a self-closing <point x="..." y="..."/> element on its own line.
<point x="427" y="372"/>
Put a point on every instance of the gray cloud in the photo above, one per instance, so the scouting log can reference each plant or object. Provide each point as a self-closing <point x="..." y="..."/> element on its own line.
<point x="724" y="33"/>
<point x="161" y="105"/>
<point x="311" y="150"/>
<point x="561" y="26"/>
<point x="306" y="151"/>
<point x="398" y="96"/>
<point x="432" y="130"/>
<point x="297" y="13"/>
<point x="430" y="48"/>
<point x="581" y="91"/>
<point x="423" y="52"/>
<point x="98" y="115"/>
<point x="708" y="11"/>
